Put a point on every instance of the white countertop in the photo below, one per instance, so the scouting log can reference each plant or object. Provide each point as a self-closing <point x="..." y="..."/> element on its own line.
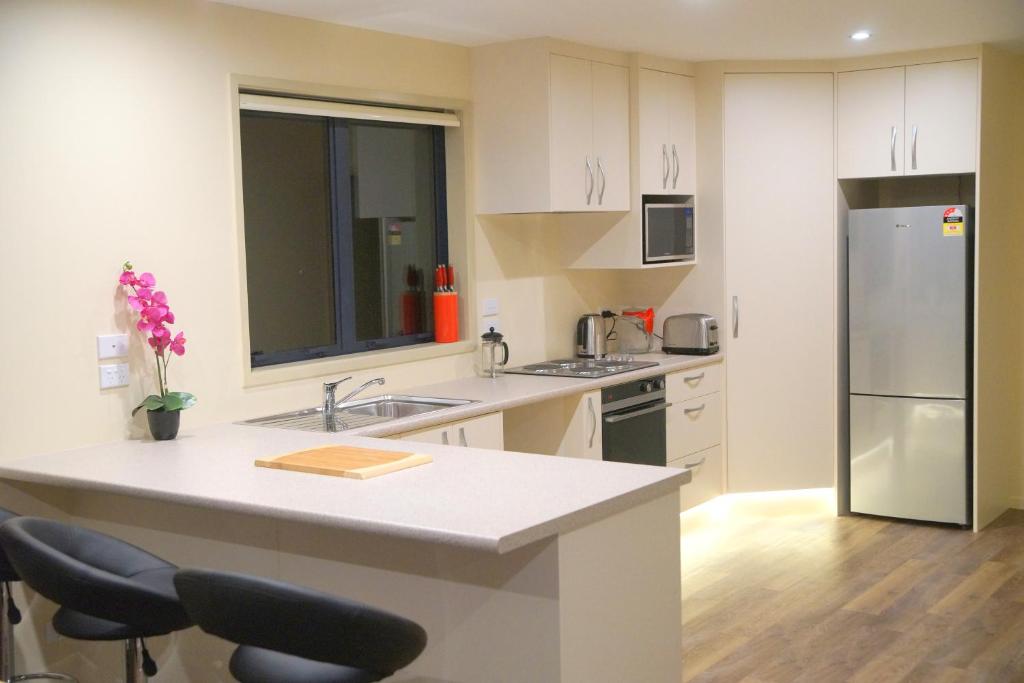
<point x="493" y="501"/>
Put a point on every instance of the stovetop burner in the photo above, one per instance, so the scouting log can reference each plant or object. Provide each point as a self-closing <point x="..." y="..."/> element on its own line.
<point x="581" y="367"/>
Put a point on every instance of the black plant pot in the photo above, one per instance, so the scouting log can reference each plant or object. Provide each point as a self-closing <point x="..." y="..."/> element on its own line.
<point x="163" y="424"/>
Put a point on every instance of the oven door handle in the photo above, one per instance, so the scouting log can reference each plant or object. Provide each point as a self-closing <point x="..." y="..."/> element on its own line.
<point x="612" y="419"/>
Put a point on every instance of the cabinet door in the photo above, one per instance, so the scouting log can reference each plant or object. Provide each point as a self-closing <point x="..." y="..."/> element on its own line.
<point x="653" y="144"/>
<point x="780" y="379"/>
<point x="706" y="472"/>
<point x="583" y="437"/>
<point x="438" y="435"/>
<point x="611" y="136"/>
<point x="942" y="118"/>
<point x="871" y="134"/>
<point x="485" y="431"/>
<point x="573" y="171"/>
<point x="682" y="135"/>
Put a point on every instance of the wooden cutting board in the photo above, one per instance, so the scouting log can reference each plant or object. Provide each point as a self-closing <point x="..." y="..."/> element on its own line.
<point x="346" y="461"/>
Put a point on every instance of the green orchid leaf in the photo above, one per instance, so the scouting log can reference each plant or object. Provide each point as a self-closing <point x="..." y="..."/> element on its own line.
<point x="172" y="402"/>
<point x="151" y="402"/>
<point x="187" y="400"/>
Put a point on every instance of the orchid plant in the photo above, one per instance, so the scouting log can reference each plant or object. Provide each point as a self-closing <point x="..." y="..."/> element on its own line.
<point x="154" y="316"/>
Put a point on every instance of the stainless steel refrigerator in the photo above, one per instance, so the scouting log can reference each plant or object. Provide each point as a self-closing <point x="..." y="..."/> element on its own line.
<point x="910" y="309"/>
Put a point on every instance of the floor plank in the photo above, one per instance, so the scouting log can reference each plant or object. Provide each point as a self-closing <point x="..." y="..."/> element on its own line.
<point x="784" y="591"/>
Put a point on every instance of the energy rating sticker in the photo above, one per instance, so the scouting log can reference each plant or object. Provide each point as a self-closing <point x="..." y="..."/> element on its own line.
<point x="953" y="222"/>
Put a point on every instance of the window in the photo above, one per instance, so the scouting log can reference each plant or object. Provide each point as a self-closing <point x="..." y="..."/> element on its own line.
<point x="345" y="222"/>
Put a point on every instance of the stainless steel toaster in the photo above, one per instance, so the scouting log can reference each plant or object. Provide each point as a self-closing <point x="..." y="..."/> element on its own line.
<point x="692" y="334"/>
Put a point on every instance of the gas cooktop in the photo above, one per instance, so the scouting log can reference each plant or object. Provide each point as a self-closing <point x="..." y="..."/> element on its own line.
<point x="581" y="367"/>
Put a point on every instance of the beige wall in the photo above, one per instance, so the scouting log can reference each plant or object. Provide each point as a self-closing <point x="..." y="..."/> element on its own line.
<point x="116" y="130"/>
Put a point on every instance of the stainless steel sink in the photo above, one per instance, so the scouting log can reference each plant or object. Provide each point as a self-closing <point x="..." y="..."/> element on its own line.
<point x="360" y="413"/>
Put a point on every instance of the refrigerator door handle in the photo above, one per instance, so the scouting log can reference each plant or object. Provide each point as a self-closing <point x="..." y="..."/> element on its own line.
<point x="735" y="317"/>
<point x="892" y="150"/>
<point x="913" y="149"/>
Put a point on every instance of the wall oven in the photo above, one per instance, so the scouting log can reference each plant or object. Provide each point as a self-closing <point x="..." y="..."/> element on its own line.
<point x="669" y="229"/>
<point x="633" y="416"/>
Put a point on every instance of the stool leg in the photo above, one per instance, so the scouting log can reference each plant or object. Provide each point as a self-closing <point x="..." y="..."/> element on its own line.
<point x="6" y="634"/>
<point x="133" y="662"/>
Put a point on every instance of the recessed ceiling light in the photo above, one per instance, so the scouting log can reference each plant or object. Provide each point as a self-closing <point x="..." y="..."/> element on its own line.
<point x="860" y="35"/>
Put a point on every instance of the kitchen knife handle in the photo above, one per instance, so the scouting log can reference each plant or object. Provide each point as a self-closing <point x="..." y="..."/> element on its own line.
<point x="892" y="150"/>
<point x="913" y="149"/>
<point x="735" y="317"/>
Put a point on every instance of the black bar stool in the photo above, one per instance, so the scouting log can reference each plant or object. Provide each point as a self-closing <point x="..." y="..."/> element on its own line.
<point x="290" y="634"/>
<point x="9" y="616"/>
<point x="106" y="588"/>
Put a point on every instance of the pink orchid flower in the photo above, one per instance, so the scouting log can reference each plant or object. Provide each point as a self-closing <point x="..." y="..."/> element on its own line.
<point x="127" y="278"/>
<point x="147" y="280"/>
<point x="178" y="344"/>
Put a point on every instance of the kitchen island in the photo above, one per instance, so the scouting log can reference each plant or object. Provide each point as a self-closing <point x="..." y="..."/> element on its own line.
<point x="520" y="567"/>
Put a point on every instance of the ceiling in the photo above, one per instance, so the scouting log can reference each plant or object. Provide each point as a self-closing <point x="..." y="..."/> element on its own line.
<point x="696" y="30"/>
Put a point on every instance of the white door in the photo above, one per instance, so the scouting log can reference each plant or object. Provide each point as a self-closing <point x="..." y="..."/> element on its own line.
<point x="573" y="174"/>
<point x="780" y="271"/>
<point x="871" y="135"/>
<point x="682" y="133"/>
<point x="611" y="136"/>
<point x="652" y="144"/>
<point x="942" y="107"/>
<point x="485" y="431"/>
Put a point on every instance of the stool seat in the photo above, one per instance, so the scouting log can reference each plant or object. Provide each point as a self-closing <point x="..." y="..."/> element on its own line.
<point x="72" y="624"/>
<point x="250" y="664"/>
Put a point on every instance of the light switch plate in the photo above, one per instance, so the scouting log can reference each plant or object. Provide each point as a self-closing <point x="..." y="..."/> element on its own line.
<point x="490" y="307"/>
<point x="112" y="346"/>
<point x="115" y="375"/>
<point x="487" y="323"/>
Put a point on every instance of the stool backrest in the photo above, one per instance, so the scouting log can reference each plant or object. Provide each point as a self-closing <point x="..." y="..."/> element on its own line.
<point x="298" y="621"/>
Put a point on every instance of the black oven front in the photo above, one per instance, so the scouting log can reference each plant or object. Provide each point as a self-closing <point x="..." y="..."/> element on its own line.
<point x="633" y="416"/>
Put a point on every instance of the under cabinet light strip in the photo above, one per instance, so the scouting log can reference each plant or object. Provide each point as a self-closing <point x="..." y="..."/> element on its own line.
<point x="345" y="110"/>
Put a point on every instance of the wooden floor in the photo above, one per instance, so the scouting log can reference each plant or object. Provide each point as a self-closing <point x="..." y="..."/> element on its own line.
<point x="782" y="590"/>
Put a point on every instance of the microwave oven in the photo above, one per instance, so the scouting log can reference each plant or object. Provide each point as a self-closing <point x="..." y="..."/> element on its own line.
<point x="669" y="230"/>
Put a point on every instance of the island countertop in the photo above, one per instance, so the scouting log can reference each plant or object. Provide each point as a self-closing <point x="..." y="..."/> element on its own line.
<point x="492" y="501"/>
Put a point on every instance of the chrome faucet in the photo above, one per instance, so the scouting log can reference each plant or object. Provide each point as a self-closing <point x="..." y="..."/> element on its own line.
<point x="330" y="388"/>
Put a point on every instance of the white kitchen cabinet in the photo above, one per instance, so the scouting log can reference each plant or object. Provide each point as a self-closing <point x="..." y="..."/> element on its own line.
<point x="552" y="130"/>
<point x="666" y="149"/>
<point x="871" y="105"/>
<point x="942" y="118"/>
<point x="913" y="120"/>
<point x="583" y="437"/>
<point x="781" y="374"/>
<point x="706" y="468"/>
<point x="485" y="431"/>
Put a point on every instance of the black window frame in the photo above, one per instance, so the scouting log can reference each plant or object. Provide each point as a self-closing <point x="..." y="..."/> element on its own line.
<point x="342" y="229"/>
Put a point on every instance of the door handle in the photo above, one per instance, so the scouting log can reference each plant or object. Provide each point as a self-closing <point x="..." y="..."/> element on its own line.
<point x="689" y="411"/>
<point x="694" y="378"/>
<point x="601" y="180"/>
<point x="664" y="166"/>
<point x="913" y="149"/>
<point x="675" y="166"/>
<point x="593" y="417"/>
<point x="462" y="437"/>
<point x="590" y="181"/>
<point x="444" y="437"/>
<point x="735" y="317"/>
<point x="612" y="419"/>
<point x="892" y="150"/>
<point x="696" y="465"/>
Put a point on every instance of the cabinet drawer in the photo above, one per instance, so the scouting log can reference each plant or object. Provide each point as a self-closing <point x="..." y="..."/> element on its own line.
<point x="694" y="425"/>
<point x="706" y="468"/>
<point x="687" y="384"/>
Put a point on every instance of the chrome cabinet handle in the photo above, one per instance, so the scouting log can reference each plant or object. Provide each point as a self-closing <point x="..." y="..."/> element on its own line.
<point x="735" y="317"/>
<point x="675" y="167"/>
<point x="593" y="417"/>
<point x="892" y="149"/>
<point x="696" y="465"/>
<point x="913" y="149"/>
<point x="462" y="437"/>
<point x="444" y="437"/>
<point x="694" y="378"/>
<point x="612" y="419"/>
<point x="664" y="166"/>
<point x="603" y="182"/>
<point x="590" y="181"/>
<point x="698" y="409"/>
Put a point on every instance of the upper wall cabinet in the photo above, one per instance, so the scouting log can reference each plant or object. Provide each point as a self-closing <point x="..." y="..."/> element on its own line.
<point x="666" y="149"/>
<point x="552" y="131"/>
<point x="914" y="120"/>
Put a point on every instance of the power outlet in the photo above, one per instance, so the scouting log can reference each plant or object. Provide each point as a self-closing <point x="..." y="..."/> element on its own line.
<point x="487" y="323"/>
<point x="112" y="346"/>
<point x="115" y="375"/>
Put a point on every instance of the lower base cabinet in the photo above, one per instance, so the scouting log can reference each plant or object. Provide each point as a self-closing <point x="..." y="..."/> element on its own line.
<point x="485" y="431"/>
<point x="706" y="469"/>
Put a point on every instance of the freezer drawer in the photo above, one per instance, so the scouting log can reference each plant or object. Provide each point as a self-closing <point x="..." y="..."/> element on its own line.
<point x="908" y="303"/>
<point x="908" y="458"/>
